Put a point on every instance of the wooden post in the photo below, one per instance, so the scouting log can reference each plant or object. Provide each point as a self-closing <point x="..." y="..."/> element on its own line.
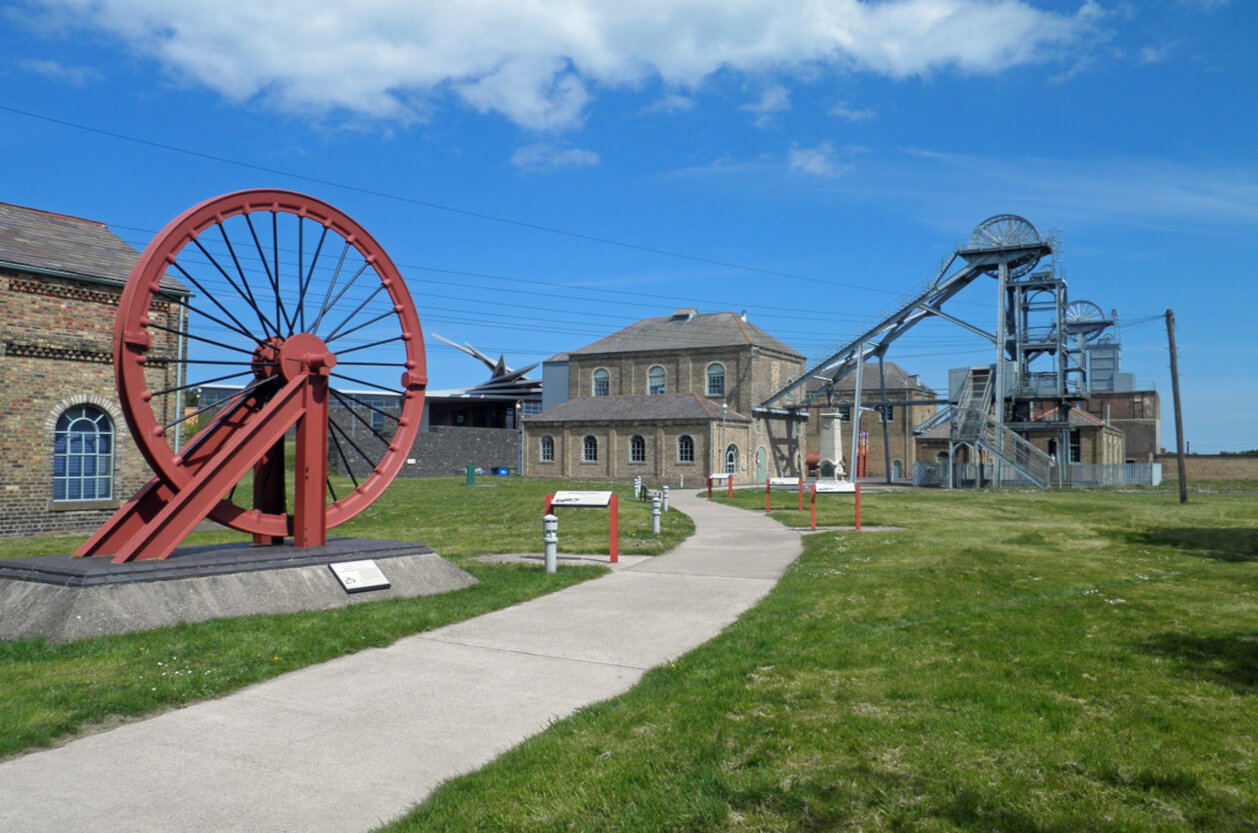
<point x="858" y="507"/>
<point x="1179" y="419"/>
<point x="766" y="493"/>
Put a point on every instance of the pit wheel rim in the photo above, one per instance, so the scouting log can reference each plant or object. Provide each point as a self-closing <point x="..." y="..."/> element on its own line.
<point x="336" y="283"/>
<point x="1009" y="231"/>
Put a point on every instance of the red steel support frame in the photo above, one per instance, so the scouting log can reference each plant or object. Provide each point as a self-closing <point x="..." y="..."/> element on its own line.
<point x="729" y="481"/>
<point x="613" y="523"/>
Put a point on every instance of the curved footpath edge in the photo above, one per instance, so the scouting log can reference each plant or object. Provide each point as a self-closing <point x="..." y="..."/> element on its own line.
<point x="350" y="744"/>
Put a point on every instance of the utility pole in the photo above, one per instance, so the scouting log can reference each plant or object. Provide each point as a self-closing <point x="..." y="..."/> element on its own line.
<point x="1179" y="418"/>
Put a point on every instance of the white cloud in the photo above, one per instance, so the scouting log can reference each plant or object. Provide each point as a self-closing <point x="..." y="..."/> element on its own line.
<point x="538" y="63"/>
<point x="57" y="71"/>
<point x="1156" y="54"/>
<point x="845" y="111"/>
<point x="773" y="99"/>
<point x="546" y="156"/>
<point x="670" y="103"/>
<point x="822" y="160"/>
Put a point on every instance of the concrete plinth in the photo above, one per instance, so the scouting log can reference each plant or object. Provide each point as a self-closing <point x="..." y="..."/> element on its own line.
<point x="63" y="598"/>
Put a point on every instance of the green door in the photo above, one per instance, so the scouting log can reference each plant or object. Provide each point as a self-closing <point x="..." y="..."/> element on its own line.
<point x="762" y="464"/>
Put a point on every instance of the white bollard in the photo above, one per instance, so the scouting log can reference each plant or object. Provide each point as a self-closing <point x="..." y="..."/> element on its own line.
<point x="655" y="515"/>
<point x="637" y="487"/>
<point x="681" y="481"/>
<point x="550" y="541"/>
<point x="664" y="502"/>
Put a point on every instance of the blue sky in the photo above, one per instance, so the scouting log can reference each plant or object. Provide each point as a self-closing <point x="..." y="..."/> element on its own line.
<point x="809" y="163"/>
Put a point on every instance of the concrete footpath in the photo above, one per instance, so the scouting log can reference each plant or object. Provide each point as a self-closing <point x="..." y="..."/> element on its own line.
<point x="356" y="742"/>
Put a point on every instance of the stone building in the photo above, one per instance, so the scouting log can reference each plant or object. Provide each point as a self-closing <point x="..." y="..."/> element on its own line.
<point x="889" y="443"/>
<point x="672" y="398"/>
<point x="67" y="460"/>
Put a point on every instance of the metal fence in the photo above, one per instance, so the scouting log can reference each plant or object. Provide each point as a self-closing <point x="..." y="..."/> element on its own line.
<point x="1072" y="475"/>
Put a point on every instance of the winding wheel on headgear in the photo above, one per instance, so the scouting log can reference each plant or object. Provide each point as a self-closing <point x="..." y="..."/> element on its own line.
<point x="295" y="312"/>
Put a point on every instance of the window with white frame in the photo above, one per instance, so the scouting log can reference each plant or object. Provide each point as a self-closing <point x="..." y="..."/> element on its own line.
<point x="655" y="380"/>
<point x="731" y="460"/>
<point x="548" y="449"/>
<point x="589" y="449"/>
<point x="637" y="449"/>
<point x="716" y="379"/>
<point x="83" y="455"/>
<point x="602" y="382"/>
<point x="685" y="449"/>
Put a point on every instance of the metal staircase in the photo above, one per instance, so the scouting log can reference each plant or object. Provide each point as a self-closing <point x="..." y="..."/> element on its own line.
<point x="974" y="424"/>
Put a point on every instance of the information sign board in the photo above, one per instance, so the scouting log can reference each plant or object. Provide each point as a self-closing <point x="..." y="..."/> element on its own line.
<point x="784" y="482"/>
<point x="835" y="487"/>
<point x="581" y="499"/>
<point x="357" y="576"/>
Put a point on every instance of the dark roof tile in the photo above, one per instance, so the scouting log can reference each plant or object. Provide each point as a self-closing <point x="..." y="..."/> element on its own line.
<point x="714" y="329"/>
<point x="45" y="241"/>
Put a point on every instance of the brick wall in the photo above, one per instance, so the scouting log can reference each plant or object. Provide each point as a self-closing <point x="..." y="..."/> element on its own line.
<point x="1210" y="467"/>
<point x="56" y="352"/>
<point x="441" y="451"/>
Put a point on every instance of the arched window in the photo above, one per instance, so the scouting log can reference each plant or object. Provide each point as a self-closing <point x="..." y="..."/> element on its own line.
<point x="589" y="449"/>
<point x="83" y="455"/>
<point x="685" y="449"/>
<point x="731" y="460"/>
<point x="716" y="379"/>
<point x="655" y="380"/>
<point x="602" y="382"/>
<point x="637" y="449"/>
<point x="548" y="449"/>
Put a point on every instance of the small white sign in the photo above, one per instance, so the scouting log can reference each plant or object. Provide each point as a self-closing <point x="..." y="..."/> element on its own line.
<point x="784" y="482"/>
<point x="721" y="477"/>
<point x="581" y="499"/>
<point x="834" y="486"/>
<point x="357" y="576"/>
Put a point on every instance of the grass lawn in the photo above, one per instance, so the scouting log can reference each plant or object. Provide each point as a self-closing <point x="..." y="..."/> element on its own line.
<point x="1067" y="661"/>
<point x="49" y="693"/>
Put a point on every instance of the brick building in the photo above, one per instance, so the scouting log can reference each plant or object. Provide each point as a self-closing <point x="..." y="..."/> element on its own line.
<point x="889" y="443"/>
<point x="670" y="398"/>
<point x="1137" y="413"/>
<point x="66" y="457"/>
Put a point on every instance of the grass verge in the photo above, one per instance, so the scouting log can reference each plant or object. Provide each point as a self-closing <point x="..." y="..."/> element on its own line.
<point x="498" y="515"/>
<point x="1010" y="662"/>
<point x="49" y="693"/>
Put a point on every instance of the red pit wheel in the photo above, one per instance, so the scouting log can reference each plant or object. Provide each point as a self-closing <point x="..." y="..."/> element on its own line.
<point x="296" y="314"/>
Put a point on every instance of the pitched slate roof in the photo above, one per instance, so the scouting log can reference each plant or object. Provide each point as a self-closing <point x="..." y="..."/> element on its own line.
<point x="713" y="329"/>
<point x="897" y="379"/>
<point x="46" y="242"/>
<point x="658" y="406"/>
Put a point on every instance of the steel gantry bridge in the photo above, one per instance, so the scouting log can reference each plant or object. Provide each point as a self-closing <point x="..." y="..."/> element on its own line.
<point x="1040" y="342"/>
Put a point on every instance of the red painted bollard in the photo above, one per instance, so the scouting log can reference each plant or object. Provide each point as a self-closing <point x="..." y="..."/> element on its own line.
<point x="766" y="494"/>
<point x="812" y="489"/>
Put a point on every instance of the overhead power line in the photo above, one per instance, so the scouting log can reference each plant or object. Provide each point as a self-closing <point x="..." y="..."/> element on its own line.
<point x="576" y="235"/>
